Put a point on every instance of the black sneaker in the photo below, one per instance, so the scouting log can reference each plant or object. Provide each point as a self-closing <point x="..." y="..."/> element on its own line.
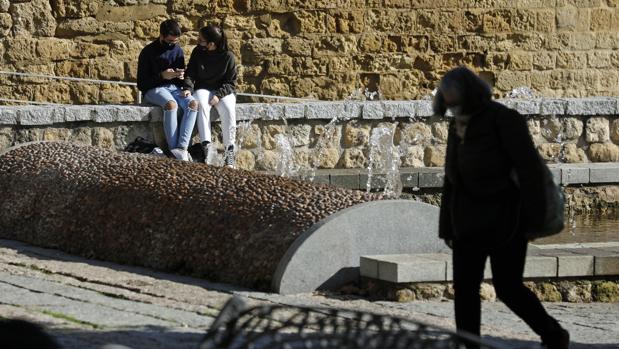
<point x="229" y="157"/>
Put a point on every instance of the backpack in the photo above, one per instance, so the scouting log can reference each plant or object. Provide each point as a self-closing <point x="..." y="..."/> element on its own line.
<point x="554" y="212"/>
<point x="140" y="145"/>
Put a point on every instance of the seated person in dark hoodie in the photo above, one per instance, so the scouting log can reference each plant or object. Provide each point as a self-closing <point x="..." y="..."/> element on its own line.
<point x="161" y="67"/>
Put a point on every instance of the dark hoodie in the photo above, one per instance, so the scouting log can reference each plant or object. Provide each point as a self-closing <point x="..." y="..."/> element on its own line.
<point x="155" y="58"/>
<point x="211" y="70"/>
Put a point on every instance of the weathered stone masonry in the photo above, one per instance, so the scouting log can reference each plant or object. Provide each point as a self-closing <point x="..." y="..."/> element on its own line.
<point x="324" y="49"/>
<point x="565" y="130"/>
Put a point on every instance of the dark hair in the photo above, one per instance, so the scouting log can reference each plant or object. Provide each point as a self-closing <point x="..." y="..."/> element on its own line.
<point x="473" y="92"/>
<point x="169" y="27"/>
<point x="16" y="334"/>
<point x="213" y="33"/>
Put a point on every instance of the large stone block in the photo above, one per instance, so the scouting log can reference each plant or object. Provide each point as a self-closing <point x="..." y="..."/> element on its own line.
<point x="6" y="138"/>
<point x="413" y="134"/>
<point x="268" y="135"/>
<point x="571" y="128"/>
<point x="356" y="134"/>
<point x="412" y="156"/>
<point x="40" y="115"/>
<point x="614" y="131"/>
<point x="604" y="173"/>
<point x="248" y="135"/>
<point x="597" y="130"/>
<point x="434" y="155"/>
<point x="33" y="18"/>
<point x="353" y="158"/>
<point x="603" y="152"/>
<point x="245" y="160"/>
<point x="571" y="153"/>
<point x="399" y="109"/>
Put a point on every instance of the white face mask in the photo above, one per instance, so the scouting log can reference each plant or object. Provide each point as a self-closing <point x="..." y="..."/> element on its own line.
<point x="454" y="111"/>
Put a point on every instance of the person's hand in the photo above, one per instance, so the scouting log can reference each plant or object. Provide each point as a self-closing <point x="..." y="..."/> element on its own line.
<point x="186" y="93"/>
<point x="214" y="101"/>
<point x="169" y="74"/>
<point x="449" y="243"/>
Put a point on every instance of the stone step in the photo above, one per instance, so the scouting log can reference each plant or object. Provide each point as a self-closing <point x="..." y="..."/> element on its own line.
<point x="432" y="177"/>
<point x="555" y="261"/>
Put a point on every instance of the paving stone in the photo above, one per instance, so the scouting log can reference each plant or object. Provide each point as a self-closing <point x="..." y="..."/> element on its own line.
<point x="35" y="115"/>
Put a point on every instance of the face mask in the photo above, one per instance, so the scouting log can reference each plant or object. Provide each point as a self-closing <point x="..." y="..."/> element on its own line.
<point x="454" y="111"/>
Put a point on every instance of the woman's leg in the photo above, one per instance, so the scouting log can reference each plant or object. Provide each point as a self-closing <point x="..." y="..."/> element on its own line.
<point x="507" y="269"/>
<point x="227" y="112"/>
<point x="204" y="114"/>
<point x="162" y="97"/>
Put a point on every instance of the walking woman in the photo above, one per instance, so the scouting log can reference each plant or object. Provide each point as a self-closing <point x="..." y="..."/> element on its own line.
<point x="485" y="212"/>
<point x="211" y="75"/>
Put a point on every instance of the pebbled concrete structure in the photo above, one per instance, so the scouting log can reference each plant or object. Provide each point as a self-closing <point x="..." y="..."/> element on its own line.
<point x="226" y="225"/>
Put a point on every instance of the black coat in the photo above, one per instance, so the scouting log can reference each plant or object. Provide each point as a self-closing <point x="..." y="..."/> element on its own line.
<point x="211" y="70"/>
<point x="482" y="203"/>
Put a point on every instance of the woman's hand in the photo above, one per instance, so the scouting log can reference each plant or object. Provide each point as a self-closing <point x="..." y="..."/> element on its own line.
<point x="214" y="101"/>
<point x="186" y="93"/>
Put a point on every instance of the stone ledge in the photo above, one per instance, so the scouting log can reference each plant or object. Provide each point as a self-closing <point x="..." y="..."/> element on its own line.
<point x="432" y="177"/>
<point x="345" y="110"/>
<point x="554" y="261"/>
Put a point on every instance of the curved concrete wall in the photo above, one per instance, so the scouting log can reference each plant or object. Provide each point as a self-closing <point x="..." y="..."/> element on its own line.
<point x="327" y="255"/>
<point x="226" y="225"/>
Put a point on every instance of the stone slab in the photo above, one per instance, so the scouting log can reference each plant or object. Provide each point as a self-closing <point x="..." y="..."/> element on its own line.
<point x="322" y="179"/>
<point x="399" y="109"/>
<point x="8" y="116"/>
<point x="378" y="181"/>
<point x="368" y="267"/>
<point x="574" y="175"/>
<point x="410" y="267"/>
<point x="423" y="108"/>
<point x="540" y="266"/>
<point x="409" y="179"/>
<point x="591" y="106"/>
<point x="549" y="106"/>
<point x="345" y="180"/>
<point x="604" y="174"/>
<point x="373" y="110"/>
<point x="607" y="265"/>
<point x="431" y="177"/>
<point x="36" y="115"/>
<point x="294" y="111"/>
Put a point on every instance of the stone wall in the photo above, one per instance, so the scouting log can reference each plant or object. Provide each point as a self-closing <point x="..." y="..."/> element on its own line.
<point x="565" y="130"/>
<point x="324" y="49"/>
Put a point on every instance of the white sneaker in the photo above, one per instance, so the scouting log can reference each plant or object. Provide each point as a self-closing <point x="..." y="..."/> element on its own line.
<point x="180" y="154"/>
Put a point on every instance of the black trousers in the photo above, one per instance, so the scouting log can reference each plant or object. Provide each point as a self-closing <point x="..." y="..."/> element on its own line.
<point x="507" y="268"/>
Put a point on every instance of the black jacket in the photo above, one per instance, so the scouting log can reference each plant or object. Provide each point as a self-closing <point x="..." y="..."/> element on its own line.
<point x="155" y="58"/>
<point x="482" y="204"/>
<point x="213" y="71"/>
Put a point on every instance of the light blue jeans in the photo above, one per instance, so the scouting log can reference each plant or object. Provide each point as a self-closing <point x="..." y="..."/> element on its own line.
<point x="175" y="136"/>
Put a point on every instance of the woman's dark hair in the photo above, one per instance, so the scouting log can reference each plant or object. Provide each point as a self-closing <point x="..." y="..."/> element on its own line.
<point x="473" y="93"/>
<point x="169" y="27"/>
<point x="213" y="33"/>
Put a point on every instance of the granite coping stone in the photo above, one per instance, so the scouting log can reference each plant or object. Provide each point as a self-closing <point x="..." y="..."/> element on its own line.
<point x="326" y="110"/>
<point x="543" y="261"/>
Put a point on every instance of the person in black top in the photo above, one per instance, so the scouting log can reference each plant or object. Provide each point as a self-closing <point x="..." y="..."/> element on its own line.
<point x="211" y="74"/>
<point x="161" y="67"/>
<point x="484" y="212"/>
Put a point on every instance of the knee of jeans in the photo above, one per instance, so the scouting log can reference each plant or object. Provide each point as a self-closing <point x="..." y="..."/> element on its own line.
<point x="193" y="105"/>
<point x="171" y="105"/>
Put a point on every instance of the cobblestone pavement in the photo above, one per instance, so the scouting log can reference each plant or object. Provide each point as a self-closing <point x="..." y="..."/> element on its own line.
<point x="86" y="304"/>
